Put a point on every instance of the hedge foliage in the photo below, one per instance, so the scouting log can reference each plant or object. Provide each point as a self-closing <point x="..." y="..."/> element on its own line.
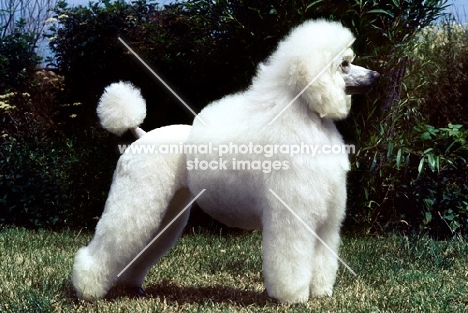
<point x="17" y="58"/>
<point x="48" y="177"/>
<point x="45" y="179"/>
<point x="406" y="174"/>
<point x="412" y="162"/>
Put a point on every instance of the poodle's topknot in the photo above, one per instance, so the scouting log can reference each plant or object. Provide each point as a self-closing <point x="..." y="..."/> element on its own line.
<point x="121" y="107"/>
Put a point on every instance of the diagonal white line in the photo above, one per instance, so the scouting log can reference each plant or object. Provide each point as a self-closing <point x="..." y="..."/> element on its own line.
<point x="313" y="233"/>
<point x="160" y="233"/>
<point x="161" y="80"/>
<point x="313" y="80"/>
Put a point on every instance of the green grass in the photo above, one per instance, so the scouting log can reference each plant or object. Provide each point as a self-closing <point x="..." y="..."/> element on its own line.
<point x="213" y="273"/>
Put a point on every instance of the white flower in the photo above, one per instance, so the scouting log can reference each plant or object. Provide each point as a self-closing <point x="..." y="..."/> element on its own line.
<point x="5" y="106"/>
<point x="51" y="20"/>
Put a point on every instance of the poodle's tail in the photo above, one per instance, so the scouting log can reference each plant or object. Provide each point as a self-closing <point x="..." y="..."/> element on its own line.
<point x="121" y="107"/>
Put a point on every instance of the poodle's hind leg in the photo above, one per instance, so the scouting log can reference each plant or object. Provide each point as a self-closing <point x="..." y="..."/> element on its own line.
<point x="132" y="278"/>
<point x="142" y="188"/>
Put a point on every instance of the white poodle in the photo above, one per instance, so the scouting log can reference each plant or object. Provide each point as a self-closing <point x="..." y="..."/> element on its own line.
<point x="253" y="154"/>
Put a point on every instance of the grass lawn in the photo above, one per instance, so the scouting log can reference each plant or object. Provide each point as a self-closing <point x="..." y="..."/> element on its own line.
<point x="213" y="273"/>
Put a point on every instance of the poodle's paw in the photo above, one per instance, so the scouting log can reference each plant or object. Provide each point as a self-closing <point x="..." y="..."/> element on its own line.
<point x="135" y="291"/>
<point x="90" y="278"/>
<point x="321" y="291"/>
<point x="87" y="292"/>
<point x="289" y="296"/>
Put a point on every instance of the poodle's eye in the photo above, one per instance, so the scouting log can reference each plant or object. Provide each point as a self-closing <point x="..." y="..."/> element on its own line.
<point x="345" y="63"/>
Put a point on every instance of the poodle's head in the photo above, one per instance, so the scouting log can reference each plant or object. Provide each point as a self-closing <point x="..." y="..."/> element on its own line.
<point x="316" y="61"/>
<point x="358" y="80"/>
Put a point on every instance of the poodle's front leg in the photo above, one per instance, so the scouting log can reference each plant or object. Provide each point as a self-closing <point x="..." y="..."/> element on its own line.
<point x="325" y="263"/>
<point x="287" y="254"/>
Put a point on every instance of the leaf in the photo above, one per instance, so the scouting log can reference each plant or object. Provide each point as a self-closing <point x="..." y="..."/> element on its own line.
<point x="428" y="203"/>
<point x="449" y="147"/>
<point x="426" y="136"/>
<point x="427" y="218"/>
<point x="449" y="217"/>
<point x="421" y="165"/>
<point x="313" y="4"/>
<point x="390" y="149"/>
<point x="381" y="11"/>
<point x="398" y="158"/>
<point x="374" y="162"/>
<point x="428" y="150"/>
<point x="432" y="161"/>
<point x="455" y="126"/>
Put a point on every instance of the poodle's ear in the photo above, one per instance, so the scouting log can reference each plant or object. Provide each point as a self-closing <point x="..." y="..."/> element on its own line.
<point x="322" y="89"/>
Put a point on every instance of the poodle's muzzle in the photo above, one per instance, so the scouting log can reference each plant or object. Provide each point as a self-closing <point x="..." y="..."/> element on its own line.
<point x="358" y="80"/>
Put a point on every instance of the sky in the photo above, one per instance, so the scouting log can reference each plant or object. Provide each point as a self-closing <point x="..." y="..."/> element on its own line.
<point x="459" y="8"/>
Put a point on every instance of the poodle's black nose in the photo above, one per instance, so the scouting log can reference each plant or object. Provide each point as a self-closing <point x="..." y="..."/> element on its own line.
<point x="375" y="76"/>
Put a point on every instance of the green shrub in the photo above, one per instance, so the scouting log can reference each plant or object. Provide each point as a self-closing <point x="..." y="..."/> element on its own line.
<point x="441" y="187"/>
<point x="412" y="176"/>
<point x="193" y="44"/>
<point x="419" y="183"/>
<point x="437" y="74"/>
<point x="46" y="179"/>
<point x="18" y="59"/>
<point x="49" y="176"/>
<point x="51" y="189"/>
